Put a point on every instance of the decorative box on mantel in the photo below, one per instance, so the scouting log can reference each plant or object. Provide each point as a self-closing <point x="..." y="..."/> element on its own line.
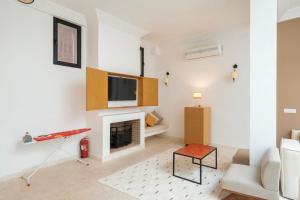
<point x="103" y="122"/>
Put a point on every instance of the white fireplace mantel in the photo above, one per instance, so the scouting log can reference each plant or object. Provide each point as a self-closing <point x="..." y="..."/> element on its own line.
<point x="100" y="134"/>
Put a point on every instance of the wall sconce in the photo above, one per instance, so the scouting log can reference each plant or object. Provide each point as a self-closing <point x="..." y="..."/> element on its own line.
<point x="234" y="73"/>
<point x="167" y="78"/>
<point x="26" y="1"/>
<point x="197" y="96"/>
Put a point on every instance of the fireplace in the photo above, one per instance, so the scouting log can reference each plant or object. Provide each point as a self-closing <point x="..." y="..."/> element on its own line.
<point x="116" y="133"/>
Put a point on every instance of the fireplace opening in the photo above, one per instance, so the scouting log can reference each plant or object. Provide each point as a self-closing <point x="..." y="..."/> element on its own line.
<point x="120" y="136"/>
<point x="124" y="134"/>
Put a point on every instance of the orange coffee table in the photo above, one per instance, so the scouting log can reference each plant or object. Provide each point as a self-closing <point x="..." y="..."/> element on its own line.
<point x="198" y="152"/>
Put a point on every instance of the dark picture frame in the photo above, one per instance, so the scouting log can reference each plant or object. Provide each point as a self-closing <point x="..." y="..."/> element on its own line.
<point x="57" y="60"/>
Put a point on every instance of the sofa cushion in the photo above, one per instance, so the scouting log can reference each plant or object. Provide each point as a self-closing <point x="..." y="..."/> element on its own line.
<point x="157" y="115"/>
<point x="295" y="134"/>
<point x="299" y="190"/>
<point x="246" y="180"/>
<point x="241" y="157"/>
<point x="270" y="169"/>
<point x="151" y="120"/>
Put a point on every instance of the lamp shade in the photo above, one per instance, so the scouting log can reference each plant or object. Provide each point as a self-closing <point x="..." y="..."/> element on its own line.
<point x="197" y="95"/>
<point x="234" y="74"/>
<point x="26" y="1"/>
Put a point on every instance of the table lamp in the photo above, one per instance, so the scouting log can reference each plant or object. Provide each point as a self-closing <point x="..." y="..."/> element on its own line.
<point x="26" y="1"/>
<point x="197" y="96"/>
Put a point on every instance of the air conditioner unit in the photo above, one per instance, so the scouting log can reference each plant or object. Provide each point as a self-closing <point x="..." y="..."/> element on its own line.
<point x="203" y="52"/>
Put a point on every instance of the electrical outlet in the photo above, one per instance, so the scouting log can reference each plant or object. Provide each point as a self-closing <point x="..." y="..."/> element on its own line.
<point x="290" y="110"/>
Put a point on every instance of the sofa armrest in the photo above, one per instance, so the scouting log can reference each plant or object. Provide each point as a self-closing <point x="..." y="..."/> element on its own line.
<point x="299" y="190"/>
<point x="293" y="145"/>
<point x="270" y="169"/>
<point x="290" y="155"/>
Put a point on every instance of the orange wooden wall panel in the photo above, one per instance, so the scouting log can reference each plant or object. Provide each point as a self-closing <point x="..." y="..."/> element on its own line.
<point x="149" y="90"/>
<point x="96" y="89"/>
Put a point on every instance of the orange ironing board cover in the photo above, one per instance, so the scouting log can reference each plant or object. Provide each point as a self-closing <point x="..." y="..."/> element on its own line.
<point x="60" y="134"/>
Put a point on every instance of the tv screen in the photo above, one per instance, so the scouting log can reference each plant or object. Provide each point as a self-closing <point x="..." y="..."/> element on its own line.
<point x="121" y="89"/>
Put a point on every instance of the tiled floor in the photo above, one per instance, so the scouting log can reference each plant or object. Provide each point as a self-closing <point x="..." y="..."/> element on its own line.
<point x="72" y="181"/>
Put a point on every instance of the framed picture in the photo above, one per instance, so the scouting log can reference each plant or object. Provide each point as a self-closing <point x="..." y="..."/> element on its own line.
<point x="66" y="43"/>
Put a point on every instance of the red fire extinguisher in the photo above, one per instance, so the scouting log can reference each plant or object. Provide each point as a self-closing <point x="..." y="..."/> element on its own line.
<point x="84" y="147"/>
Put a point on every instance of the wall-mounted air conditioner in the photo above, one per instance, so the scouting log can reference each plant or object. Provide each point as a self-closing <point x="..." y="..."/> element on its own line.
<point x="203" y="52"/>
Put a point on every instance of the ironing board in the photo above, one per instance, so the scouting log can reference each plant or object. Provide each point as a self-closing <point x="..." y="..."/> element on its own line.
<point x="65" y="135"/>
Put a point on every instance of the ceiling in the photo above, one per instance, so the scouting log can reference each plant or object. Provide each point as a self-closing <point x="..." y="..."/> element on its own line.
<point x="171" y="18"/>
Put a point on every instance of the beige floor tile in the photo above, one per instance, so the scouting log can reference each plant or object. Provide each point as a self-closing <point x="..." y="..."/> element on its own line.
<point x="73" y="181"/>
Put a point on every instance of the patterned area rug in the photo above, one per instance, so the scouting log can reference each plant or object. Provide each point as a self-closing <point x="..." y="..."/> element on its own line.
<point x="152" y="178"/>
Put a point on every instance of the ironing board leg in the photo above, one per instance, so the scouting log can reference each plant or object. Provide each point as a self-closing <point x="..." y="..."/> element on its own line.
<point x="58" y="148"/>
<point x="74" y="157"/>
<point x="27" y="178"/>
<point x="82" y="162"/>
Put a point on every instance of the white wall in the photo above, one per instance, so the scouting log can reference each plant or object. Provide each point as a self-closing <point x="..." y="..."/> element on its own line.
<point x="119" y="45"/>
<point x="92" y="38"/>
<point x="36" y="96"/>
<point x="119" y="49"/>
<point x="263" y="39"/>
<point x="229" y="101"/>
<point x="151" y="53"/>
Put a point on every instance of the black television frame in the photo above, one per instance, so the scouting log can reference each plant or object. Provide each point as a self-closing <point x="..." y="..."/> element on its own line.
<point x="126" y="78"/>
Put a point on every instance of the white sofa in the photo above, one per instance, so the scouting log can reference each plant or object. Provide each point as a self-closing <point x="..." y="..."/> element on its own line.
<point x="290" y="173"/>
<point x="261" y="182"/>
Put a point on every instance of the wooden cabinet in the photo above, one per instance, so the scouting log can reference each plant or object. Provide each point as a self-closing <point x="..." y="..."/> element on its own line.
<point x="96" y="89"/>
<point x="197" y="125"/>
<point x="148" y="92"/>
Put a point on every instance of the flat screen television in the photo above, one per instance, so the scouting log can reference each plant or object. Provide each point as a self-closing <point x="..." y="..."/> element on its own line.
<point x="121" y="89"/>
